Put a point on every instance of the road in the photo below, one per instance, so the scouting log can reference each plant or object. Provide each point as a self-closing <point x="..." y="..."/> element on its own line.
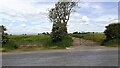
<point x="95" y="57"/>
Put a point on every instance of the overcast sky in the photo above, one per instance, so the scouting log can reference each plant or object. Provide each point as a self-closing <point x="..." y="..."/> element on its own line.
<point x="31" y="16"/>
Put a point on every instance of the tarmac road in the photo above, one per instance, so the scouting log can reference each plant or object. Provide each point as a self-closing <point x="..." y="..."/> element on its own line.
<point x="62" y="58"/>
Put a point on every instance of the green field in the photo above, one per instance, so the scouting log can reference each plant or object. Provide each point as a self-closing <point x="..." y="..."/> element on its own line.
<point x="29" y="42"/>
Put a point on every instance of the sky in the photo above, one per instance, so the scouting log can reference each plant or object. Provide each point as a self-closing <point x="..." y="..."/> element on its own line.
<point x="31" y="16"/>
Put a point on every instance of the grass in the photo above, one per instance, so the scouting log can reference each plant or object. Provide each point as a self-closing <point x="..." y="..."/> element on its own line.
<point x="111" y="43"/>
<point x="34" y="42"/>
<point x="10" y="45"/>
<point x="66" y="42"/>
<point x="24" y="40"/>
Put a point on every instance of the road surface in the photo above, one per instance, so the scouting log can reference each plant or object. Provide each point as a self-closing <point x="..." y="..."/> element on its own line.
<point x="95" y="57"/>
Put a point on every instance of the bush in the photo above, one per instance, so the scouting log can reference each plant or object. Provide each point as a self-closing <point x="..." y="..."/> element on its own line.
<point x="112" y="31"/>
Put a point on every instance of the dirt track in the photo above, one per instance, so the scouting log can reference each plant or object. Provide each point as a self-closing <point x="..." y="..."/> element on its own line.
<point x="82" y="44"/>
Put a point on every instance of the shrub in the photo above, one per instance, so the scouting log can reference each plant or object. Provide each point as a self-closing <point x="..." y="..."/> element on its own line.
<point x="112" y="31"/>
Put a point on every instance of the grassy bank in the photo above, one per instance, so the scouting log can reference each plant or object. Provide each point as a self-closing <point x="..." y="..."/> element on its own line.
<point x="29" y="42"/>
<point x="99" y="38"/>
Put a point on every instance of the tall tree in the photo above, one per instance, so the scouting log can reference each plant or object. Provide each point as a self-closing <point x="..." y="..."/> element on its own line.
<point x="60" y="16"/>
<point x="4" y="35"/>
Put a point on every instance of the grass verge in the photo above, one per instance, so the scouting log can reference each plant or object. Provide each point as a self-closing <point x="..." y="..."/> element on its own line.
<point x="111" y="43"/>
<point x="34" y="42"/>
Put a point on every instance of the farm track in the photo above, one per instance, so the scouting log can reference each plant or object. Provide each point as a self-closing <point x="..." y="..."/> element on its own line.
<point x="83" y="44"/>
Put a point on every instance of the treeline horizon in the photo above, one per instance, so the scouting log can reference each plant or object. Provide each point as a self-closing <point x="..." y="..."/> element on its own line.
<point x="48" y="33"/>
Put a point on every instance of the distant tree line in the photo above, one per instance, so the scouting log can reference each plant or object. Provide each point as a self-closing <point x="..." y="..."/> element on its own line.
<point x="84" y="32"/>
<point x="44" y="33"/>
